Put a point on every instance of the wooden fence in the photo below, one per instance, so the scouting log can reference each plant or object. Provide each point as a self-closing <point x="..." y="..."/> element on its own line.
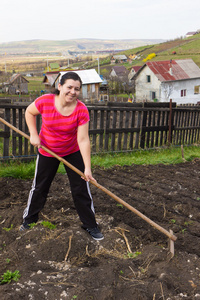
<point x="114" y="127"/>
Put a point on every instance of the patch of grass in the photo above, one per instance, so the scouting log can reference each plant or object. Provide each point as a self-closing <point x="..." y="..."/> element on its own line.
<point x="173" y="221"/>
<point x="17" y="169"/>
<point x="32" y="225"/>
<point x="8" y="276"/>
<point x="167" y="156"/>
<point x="119" y="205"/>
<point x="8" y="229"/>
<point x="35" y="84"/>
<point x="48" y="224"/>
<point x="171" y="155"/>
<point x="133" y="255"/>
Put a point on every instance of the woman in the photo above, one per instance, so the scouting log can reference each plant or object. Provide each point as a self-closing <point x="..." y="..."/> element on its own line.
<point x="64" y="131"/>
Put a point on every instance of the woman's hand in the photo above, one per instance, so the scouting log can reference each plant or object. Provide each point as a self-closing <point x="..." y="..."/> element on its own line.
<point x="35" y="140"/>
<point x="30" y="115"/>
<point x="88" y="175"/>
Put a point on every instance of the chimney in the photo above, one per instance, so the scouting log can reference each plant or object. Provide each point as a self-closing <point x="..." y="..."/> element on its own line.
<point x="170" y="68"/>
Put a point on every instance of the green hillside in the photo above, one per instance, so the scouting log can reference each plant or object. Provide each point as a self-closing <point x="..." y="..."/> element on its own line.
<point x="184" y="48"/>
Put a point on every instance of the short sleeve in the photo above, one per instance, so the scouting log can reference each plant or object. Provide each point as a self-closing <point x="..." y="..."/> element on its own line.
<point x="39" y="104"/>
<point x="83" y="115"/>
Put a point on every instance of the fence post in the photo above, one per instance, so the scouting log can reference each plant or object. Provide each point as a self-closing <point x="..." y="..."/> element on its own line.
<point x="143" y="131"/>
<point x="170" y="123"/>
<point x="7" y="133"/>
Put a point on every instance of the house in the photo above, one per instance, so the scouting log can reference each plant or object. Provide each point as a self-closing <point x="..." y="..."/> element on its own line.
<point x="54" y="67"/>
<point x="118" y="59"/>
<point x="118" y="72"/>
<point x="191" y="33"/>
<point x="132" y="56"/>
<point x="90" y="84"/>
<point x="49" y="79"/>
<point x="178" y="80"/>
<point x="119" y="80"/>
<point x="132" y="72"/>
<point x="17" y="84"/>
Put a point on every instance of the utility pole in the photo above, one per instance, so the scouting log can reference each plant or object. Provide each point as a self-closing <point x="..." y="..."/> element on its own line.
<point x="98" y="66"/>
<point x="47" y="65"/>
<point x="5" y="63"/>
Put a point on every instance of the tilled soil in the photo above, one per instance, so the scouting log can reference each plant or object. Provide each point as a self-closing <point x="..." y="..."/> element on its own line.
<point x="133" y="261"/>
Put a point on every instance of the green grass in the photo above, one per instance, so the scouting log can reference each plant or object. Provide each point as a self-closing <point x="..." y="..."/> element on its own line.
<point x="35" y="84"/>
<point x="16" y="169"/>
<point x="171" y="155"/>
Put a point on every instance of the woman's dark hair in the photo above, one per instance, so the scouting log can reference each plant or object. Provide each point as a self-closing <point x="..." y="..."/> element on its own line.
<point x="70" y="75"/>
<point x="66" y="76"/>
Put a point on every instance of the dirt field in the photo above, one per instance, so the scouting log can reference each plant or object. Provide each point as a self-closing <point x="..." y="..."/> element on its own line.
<point x="131" y="263"/>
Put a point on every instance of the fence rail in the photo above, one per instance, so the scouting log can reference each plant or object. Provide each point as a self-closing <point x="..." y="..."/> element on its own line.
<point x="113" y="127"/>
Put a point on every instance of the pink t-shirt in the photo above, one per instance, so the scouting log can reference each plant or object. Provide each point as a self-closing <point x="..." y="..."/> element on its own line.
<point x="59" y="133"/>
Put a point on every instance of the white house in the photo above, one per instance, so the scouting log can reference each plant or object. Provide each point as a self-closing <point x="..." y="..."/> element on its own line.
<point x="133" y="71"/>
<point x="178" y="80"/>
<point x="90" y="84"/>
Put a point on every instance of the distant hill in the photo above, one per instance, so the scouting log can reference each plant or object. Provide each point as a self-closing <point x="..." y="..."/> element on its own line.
<point x="55" y="47"/>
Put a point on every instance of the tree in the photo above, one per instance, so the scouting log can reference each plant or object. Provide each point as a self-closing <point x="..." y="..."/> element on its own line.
<point x="168" y="89"/>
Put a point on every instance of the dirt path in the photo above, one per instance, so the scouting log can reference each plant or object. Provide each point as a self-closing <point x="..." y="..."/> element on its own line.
<point x="131" y="263"/>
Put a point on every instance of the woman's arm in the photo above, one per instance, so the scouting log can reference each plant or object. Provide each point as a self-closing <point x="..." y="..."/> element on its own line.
<point x="84" y="145"/>
<point x="30" y="116"/>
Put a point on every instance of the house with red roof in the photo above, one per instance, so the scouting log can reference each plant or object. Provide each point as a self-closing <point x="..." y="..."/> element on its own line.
<point x="133" y="71"/>
<point x="161" y="81"/>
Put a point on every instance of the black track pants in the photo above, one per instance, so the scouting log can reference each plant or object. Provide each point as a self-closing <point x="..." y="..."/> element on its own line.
<point x="45" y="171"/>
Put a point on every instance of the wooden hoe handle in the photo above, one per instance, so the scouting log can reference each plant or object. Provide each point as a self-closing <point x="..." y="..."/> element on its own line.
<point x="152" y="223"/>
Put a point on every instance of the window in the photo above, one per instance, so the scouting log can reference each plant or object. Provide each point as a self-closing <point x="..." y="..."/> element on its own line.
<point x="148" y="78"/>
<point x="197" y="89"/>
<point x="152" y="95"/>
<point x="183" y="93"/>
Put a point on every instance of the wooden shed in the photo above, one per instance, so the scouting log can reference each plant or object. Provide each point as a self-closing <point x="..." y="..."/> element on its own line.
<point x="49" y="79"/>
<point x="17" y="84"/>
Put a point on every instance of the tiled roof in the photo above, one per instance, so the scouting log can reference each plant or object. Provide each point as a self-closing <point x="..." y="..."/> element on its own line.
<point x="120" y="70"/>
<point x="174" y="69"/>
<point x="50" y="77"/>
<point x="14" y="77"/>
<point x="136" y="68"/>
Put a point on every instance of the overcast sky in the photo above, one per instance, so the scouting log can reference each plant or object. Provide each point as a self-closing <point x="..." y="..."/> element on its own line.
<point x="102" y="19"/>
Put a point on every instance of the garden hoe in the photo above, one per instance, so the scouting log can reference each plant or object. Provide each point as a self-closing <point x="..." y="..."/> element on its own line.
<point x="172" y="237"/>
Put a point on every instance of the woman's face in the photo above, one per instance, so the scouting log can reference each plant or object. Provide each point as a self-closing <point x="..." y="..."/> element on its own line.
<point x="70" y="90"/>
